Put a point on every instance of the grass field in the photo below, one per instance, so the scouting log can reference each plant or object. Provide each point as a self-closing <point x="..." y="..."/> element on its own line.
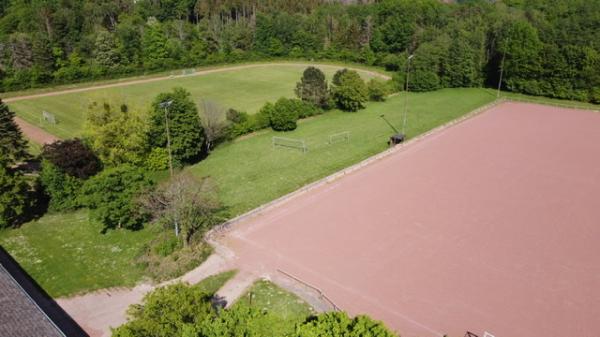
<point x="245" y="89"/>
<point x="211" y="284"/>
<point x="66" y="254"/>
<point x="250" y="172"/>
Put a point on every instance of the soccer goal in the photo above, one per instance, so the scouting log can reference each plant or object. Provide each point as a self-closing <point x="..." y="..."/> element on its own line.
<point x="292" y="143"/>
<point x="339" y="137"/>
<point x="186" y="72"/>
<point x="48" y="117"/>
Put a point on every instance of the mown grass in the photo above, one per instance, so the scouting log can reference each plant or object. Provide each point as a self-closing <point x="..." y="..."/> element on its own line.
<point x="250" y="172"/>
<point x="66" y="254"/>
<point x="289" y="308"/>
<point x="244" y="89"/>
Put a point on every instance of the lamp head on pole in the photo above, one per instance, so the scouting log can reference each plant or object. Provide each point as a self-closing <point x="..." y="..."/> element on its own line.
<point x="165" y="104"/>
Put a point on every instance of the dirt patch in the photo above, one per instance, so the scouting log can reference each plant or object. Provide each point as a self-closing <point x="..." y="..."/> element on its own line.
<point x="34" y="133"/>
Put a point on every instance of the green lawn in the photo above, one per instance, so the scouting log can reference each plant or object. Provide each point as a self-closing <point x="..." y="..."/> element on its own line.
<point x="211" y="284"/>
<point x="250" y="172"/>
<point x="66" y="254"/>
<point x="245" y="90"/>
<point x="289" y="308"/>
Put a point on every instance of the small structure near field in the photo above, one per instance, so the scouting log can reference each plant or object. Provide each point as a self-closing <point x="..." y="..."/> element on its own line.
<point x="396" y="139"/>
<point x="48" y="117"/>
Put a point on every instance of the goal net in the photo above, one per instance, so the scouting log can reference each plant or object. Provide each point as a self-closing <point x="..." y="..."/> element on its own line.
<point x="48" y="117"/>
<point x="292" y="143"/>
<point x="339" y="137"/>
<point x="186" y="72"/>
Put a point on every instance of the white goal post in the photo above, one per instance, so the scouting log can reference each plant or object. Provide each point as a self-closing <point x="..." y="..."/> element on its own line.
<point x="48" y="117"/>
<point x="339" y="137"/>
<point x="299" y="144"/>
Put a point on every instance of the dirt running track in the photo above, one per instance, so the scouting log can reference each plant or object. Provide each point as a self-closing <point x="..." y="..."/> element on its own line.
<point x="34" y="133"/>
<point x="491" y="225"/>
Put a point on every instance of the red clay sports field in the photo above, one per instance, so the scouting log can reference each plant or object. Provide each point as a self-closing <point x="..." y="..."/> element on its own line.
<point x="490" y="225"/>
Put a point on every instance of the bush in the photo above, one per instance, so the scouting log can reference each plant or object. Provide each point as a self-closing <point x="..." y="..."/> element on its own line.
<point x="378" y="90"/>
<point x="339" y="324"/>
<point x="595" y="95"/>
<point x="72" y="157"/>
<point x="111" y="196"/>
<point x="349" y="91"/>
<point x="284" y="114"/>
<point x="61" y="188"/>
<point x="158" y="159"/>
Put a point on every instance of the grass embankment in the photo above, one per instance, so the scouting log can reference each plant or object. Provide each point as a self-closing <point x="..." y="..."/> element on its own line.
<point x="243" y="89"/>
<point x="67" y="254"/>
<point x="250" y="172"/>
<point x="287" y="307"/>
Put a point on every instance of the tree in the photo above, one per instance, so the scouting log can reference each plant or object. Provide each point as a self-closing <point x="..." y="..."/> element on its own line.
<point x="185" y="128"/>
<point x="14" y="200"/>
<point x="184" y="202"/>
<point x="154" y="44"/>
<point x="349" y="90"/>
<point x="117" y="135"/>
<point x="339" y="324"/>
<point x="72" y="157"/>
<point x="378" y="90"/>
<point x="106" y="50"/>
<point x="313" y="87"/>
<point x="111" y="196"/>
<point x="13" y="147"/>
<point x="214" y="123"/>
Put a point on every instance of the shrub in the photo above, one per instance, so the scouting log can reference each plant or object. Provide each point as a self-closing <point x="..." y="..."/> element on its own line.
<point x="595" y="95"/>
<point x="283" y="114"/>
<point x="72" y="157"/>
<point x="111" y="197"/>
<point x="13" y="147"/>
<point x="339" y="324"/>
<point x="349" y="91"/>
<point x="62" y="189"/>
<point x="158" y="159"/>
<point x="378" y="90"/>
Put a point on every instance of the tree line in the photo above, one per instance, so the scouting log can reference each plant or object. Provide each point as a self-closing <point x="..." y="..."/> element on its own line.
<point x="545" y="48"/>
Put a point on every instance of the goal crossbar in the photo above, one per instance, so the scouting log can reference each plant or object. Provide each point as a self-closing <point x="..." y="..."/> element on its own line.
<point x="339" y="137"/>
<point x="299" y="144"/>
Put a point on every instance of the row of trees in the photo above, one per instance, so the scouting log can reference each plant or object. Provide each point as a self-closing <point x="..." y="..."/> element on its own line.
<point x="545" y="48"/>
<point x="182" y="310"/>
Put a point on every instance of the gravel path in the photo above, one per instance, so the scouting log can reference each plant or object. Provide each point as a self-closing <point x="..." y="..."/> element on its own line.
<point x="34" y="133"/>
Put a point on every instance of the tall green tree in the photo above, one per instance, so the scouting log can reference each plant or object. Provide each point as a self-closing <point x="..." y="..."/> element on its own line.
<point x="13" y="147"/>
<point x="313" y="87"/>
<point x="185" y="128"/>
<point x="14" y="199"/>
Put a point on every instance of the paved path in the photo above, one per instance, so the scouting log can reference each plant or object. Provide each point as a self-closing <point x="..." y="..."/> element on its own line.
<point x="98" y="311"/>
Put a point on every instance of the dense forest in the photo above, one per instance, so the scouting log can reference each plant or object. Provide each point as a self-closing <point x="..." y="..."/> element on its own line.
<point x="546" y="47"/>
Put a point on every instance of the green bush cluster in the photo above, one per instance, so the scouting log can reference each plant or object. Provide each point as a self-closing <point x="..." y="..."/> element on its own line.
<point x="182" y="310"/>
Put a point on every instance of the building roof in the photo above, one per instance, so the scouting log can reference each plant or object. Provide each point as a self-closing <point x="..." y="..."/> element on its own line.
<point x="26" y="310"/>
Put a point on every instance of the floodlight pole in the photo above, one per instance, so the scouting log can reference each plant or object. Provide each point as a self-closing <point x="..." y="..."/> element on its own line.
<point x="165" y="105"/>
<point x="501" y="74"/>
<point x="406" y="98"/>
